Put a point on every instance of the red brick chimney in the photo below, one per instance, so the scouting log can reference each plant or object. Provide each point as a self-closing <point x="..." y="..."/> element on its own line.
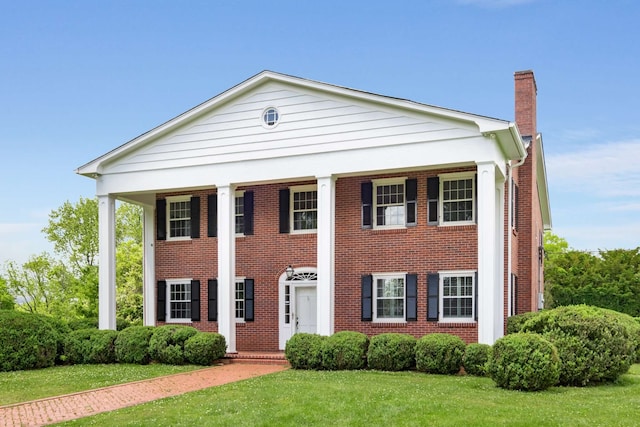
<point x="526" y="91"/>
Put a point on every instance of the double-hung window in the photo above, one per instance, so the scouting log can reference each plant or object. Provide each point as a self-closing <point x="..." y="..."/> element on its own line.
<point x="457" y="296"/>
<point x="389" y="297"/>
<point x="457" y="195"/>
<point x="389" y="203"/>
<point x="179" y="300"/>
<point x="179" y="217"/>
<point x="304" y="208"/>
<point x="239" y="212"/>
<point x="239" y="300"/>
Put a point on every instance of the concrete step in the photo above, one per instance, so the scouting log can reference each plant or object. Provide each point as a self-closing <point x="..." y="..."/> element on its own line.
<point x="262" y="358"/>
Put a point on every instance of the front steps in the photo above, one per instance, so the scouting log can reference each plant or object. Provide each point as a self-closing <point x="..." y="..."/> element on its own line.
<point x="255" y="357"/>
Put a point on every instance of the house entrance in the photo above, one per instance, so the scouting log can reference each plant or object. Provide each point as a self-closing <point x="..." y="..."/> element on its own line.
<point x="298" y="304"/>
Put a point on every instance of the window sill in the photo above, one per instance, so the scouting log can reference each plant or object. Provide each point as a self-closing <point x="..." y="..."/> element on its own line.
<point x="402" y="230"/>
<point x="177" y="241"/>
<point x="452" y="227"/>
<point x="178" y="321"/>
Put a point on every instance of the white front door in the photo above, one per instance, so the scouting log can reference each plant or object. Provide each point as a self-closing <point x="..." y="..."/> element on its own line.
<point x="305" y="314"/>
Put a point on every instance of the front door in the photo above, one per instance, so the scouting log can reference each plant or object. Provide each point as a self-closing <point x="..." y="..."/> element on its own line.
<point x="305" y="310"/>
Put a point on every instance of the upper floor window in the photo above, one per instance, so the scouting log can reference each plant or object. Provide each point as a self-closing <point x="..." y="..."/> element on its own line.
<point x="389" y="297"/>
<point x="304" y="208"/>
<point x="179" y="300"/>
<point x="270" y="117"/>
<point x="389" y="202"/>
<point x="457" y="195"/>
<point x="457" y="296"/>
<point x="179" y="217"/>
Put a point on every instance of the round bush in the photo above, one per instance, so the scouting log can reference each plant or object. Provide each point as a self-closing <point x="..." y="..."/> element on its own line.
<point x="345" y="350"/>
<point x="204" y="347"/>
<point x="633" y="327"/>
<point x="28" y="341"/>
<point x="516" y="323"/>
<point x="392" y="352"/>
<point x="132" y="345"/>
<point x="593" y="344"/>
<point x="304" y="351"/>
<point x="90" y="346"/>
<point x="524" y="361"/>
<point x="475" y="359"/>
<point x="439" y="353"/>
<point x="167" y="343"/>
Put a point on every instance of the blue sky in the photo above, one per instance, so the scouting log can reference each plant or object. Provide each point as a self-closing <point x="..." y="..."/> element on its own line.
<point x="79" y="78"/>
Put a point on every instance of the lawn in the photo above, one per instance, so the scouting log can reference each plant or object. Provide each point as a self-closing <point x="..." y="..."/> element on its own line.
<point x="370" y="398"/>
<point x="22" y="386"/>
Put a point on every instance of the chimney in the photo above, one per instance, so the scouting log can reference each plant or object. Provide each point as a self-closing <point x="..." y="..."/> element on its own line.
<point x="526" y="91"/>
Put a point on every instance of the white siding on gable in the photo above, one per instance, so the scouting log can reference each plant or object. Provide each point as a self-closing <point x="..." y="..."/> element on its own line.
<point x="309" y="123"/>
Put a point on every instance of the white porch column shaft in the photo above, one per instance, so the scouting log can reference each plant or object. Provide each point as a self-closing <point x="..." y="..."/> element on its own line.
<point x="107" y="268"/>
<point x="326" y="255"/>
<point x="488" y="306"/>
<point x="148" y="268"/>
<point x="226" y="265"/>
<point x="499" y="289"/>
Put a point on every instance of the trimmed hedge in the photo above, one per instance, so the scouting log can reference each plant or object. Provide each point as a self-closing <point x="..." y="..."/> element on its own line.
<point x="90" y="346"/>
<point x="516" y="323"/>
<point x="132" y="345"/>
<point x="475" y="359"/>
<point x="304" y="351"/>
<point x="204" y="348"/>
<point x="167" y="343"/>
<point x="28" y="341"/>
<point x="524" y="361"/>
<point x="345" y="350"/>
<point x="392" y="352"/>
<point x="439" y="353"/>
<point x="594" y="345"/>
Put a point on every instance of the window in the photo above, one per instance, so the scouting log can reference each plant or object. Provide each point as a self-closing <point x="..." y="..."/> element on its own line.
<point x="389" y="203"/>
<point x="239" y="212"/>
<point x="458" y="198"/>
<point x="389" y="297"/>
<point x="457" y="296"/>
<point x="179" y="217"/>
<point x="239" y="299"/>
<point x="304" y="208"/>
<point x="270" y="117"/>
<point x="179" y="301"/>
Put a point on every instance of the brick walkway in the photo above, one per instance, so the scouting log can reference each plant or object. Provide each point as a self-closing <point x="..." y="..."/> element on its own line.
<point x="77" y="405"/>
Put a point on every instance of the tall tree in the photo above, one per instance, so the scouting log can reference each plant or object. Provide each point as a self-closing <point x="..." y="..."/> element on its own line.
<point x="6" y="299"/>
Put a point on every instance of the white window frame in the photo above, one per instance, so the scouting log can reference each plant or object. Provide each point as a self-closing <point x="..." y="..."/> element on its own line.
<point x="457" y="177"/>
<point x="301" y="189"/>
<point x="177" y="199"/>
<point x="170" y="283"/>
<point x="458" y="273"/>
<point x="238" y="195"/>
<point x="239" y="281"/>
<point x="387" y="276"/>
<point x="383" y="182"/>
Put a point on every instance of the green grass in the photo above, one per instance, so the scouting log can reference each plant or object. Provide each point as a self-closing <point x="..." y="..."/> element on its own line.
<point x="370" y="398"/>
<point x="22" y="386"/>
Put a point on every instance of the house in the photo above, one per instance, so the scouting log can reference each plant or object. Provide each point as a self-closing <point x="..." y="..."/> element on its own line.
<point x="285" y="205"/>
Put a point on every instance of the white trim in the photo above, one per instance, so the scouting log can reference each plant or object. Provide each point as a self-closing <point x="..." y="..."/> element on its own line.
<point x="107" y="259"/>
<point x="453" y="177"/>
<point x="374" y="294"/>
<point x="264" y="124"/>
<point x="170" y="282"/>
<point x="300" y="189"/>
<point x="176" y="199"/>
<point x="286" y="330"/>
<point x="380" y="182"/>
<point x="457" y="273"/>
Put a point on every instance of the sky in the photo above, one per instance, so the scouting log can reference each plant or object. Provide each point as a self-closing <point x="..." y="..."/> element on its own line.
<point x="80" y="78"/>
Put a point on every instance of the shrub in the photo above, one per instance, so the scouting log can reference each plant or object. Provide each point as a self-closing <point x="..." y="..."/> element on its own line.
<point x="90" y="346"/>
<point x="524" y="361"/>
<point x="593" y="344"/>
<point x="439" y="353"/>
<point x="304" y="351"/>
<point x="633" y="327"/>
<point x="475" y="359"/>
<point x="516" y="323"/>
<point x="83" y="323"/>
<point x="167" y="343"/>
<point x="28" y="341"/>
<point x="345" y="350"/>
<point x="204" y="347"/>
<point x="392" y="352"/>
<point x="132" y="345"/>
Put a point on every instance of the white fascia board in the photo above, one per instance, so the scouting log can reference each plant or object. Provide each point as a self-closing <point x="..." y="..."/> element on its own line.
<point x="543" y="185"/>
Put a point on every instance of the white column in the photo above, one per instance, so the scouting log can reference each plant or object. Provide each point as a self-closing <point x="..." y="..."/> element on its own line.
<point x="499" y="289"/>
<point x="326" y="255"/>
<point x="488" y="306"/>
<point x="148" y="267"/>
<point x="226" y="265"/>
<point x="107" y="268"/>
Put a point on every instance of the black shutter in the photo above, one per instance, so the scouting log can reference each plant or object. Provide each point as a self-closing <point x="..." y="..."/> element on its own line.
<point x="212" y="300"/>
<point x="411" y="195"/>
<point x="367" y="298"/>
<point x="433" y="192"/>
<point x="195" y="300"/>
<point x="433" y="287"/>
<point x="248" y="300"/>
<point x="195" y="217"/>
<point x="161" y="301"/>
<point x="248" y="213"/>
<point x="284" y="210"/>
<point x="366" y="196"/>
<point x="412" y="296"/>
<point x="212" y="215"/>
<point x="475" y="298"/>
<point x="161" y="219"/>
